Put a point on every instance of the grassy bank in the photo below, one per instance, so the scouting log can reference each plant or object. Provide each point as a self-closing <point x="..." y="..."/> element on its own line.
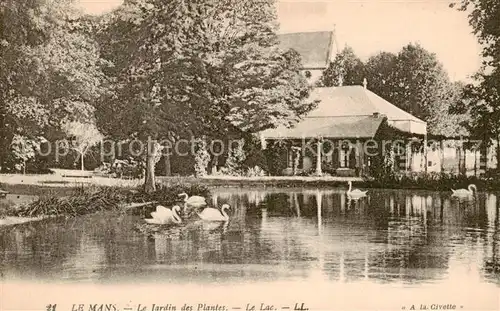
<point x="422" y="181"/>
<point x="86" y="200"/>
<point x="433" y="182"/>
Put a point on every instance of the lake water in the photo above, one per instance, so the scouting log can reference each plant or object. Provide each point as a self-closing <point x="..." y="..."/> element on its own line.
<point x="400" y="239"/>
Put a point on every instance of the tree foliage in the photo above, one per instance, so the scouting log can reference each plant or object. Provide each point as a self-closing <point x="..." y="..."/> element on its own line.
<point x="484" y="17"/>
<point x="482" y="99"/>
<point x="199" y="68"/>
<point x="202" y="67"/>
<point x="413" y="80"/>
<point x="345" y="69"/>
<point x="49" y="69"/>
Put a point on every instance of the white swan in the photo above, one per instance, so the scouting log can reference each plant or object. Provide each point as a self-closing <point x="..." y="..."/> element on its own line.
<point x="194" y="201"/>
<point x="464" y="192"/>
<point x="164" y="216"/>
<point x="213" y="214"/>
<point x="356" y="193"/>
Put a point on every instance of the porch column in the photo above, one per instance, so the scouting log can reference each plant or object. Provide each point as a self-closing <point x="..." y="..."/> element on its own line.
<point x="425" y="153"/>
<point x="340" y="149"/>
<point x="483" y="158"/>
<point x="318" y="156"/>
<point x="360" y="157"/>
<point x="296" y="159"/>
<point x="407" y="157"/>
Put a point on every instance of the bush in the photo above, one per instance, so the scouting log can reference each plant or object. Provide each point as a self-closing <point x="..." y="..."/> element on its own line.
<point x="255" y="171"/>
<point x="87" y="200"/>
<point x="82" y="201"/>
<point x="429" y="181"/>
<point x="202" y="158"/>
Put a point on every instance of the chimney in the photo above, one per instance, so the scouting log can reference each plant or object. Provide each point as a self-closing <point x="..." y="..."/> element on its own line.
<point x="365" y="83"/>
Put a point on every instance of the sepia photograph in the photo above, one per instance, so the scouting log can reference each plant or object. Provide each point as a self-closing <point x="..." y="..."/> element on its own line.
<point x="249" y="155"/>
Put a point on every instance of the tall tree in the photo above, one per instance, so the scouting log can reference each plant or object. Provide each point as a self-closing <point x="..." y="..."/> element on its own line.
<point x="484" y="96"/>
<point x="207" y="68"/>
<point x="50" y="70"/>
<point x="413" y="80"/>
<point x="381" y="74"/>
<point x="345" y="69"/>
<point x="484" y="17"/>
<point x="422" y="82"/>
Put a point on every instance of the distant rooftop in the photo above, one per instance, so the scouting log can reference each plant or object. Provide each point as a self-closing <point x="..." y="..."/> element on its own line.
<point x="315" y="48"/>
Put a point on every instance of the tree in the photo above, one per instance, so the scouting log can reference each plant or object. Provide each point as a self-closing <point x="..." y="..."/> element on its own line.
<point x="49" y="69"/>
<point x="202" y="68"/>
<point x="422" y="83"/>
<point x="381" y="74"/>
<point x="483" y="98"/>
<point x="346" y="69"/>
<point x="484" y="19"/>
<point x="83" y="137"/>
<point x="481" y="101"/>
<point x="413" y="80"/>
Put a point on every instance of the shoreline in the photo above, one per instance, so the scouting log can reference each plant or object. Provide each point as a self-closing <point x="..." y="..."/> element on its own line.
<point x="41" y="184"/>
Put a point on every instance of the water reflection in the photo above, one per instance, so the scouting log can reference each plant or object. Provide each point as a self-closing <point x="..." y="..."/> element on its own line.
<point x="389" y="236"/>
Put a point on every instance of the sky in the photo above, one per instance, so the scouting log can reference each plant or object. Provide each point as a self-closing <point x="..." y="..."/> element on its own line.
<point x="371" y="26"/>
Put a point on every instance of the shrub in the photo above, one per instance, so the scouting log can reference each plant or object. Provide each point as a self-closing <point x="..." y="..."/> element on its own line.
<point x="429" y="181"/>
<point x="81" y="201"/>
<point x="234" y="161"/>
<point x="202" y="158"/>
<point x="87" y="200"/>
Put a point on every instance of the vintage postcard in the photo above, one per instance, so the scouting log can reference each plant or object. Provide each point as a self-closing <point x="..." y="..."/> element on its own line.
<point x="249" y="155"/>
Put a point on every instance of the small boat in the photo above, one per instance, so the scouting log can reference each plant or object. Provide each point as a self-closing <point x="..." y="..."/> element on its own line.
<point x="213" y="214"/>
<point x="355" y="193"/>
<point x="464" y="192"/>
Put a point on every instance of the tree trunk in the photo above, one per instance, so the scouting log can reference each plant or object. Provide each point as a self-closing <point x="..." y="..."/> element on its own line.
<point x="3" y="137"/>
<point x="441" y="160"/>
<point x="83" y="163"/>
<point x="168" y="167"/>
<point x="426" y="162"/>
<point x="498" y="153"/>
<point x="149" y="182"/>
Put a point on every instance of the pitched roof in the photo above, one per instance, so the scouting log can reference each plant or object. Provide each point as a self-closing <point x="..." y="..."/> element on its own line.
<point x="314" y="47"/>
<point x="337" y="127"/>
<point x="348" y="112"/>
<point x="355" y="100"/>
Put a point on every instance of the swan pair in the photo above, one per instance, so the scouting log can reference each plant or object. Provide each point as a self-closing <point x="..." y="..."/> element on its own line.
<point x="464" y="192"/>
<point x="355" y="193"/>
<point x="165" y="216"/>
